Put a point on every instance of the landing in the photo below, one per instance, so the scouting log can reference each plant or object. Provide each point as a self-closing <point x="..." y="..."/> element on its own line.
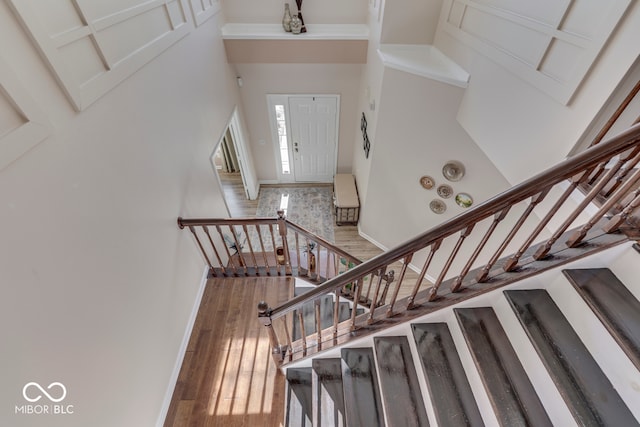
<point x="228" y="377"/>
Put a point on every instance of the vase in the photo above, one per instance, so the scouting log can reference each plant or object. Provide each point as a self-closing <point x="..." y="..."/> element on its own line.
<point x="286" y="19"/>
<point x="296" y="24"/>
<point x="303" y="28"/>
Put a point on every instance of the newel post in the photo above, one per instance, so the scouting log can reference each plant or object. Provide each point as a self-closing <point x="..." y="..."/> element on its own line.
<point x="264" y="316"/>
<point x="282" y="229"/>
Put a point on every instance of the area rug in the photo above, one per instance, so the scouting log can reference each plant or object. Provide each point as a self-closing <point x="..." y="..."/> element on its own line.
<point x="308" y="207"/>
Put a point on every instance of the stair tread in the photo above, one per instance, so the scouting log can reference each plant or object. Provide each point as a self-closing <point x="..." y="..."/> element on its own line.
<point x="399" y="382"/>
<point x="586" y="390"/>
<point x="451" y="396"/>
<point x="329" y="408"/>
<point x="361" y="390"/>
<point x="616" y="307"/>
<point x="299" y="397"/>
<point x="512" y="395"/>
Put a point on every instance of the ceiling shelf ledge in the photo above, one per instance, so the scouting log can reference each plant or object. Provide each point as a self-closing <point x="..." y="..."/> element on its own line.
<point x="423" y="60"/>
<point x="322" y="43"/>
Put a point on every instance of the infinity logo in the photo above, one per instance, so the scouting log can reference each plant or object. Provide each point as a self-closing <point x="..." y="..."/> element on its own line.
<point x="43" y="391"/>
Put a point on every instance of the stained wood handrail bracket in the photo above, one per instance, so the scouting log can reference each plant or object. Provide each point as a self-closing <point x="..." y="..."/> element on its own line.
<point x="532" y="227"/>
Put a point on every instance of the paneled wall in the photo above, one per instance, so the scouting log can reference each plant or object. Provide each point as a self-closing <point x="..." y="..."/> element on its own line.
<point x="540" y="72"/>
<point x="204" y="9"/>
<point x="22" y="123"/>
<point x="550" y="44"/>
<point x="92" y="46"/>
<point x="98" y="284"/>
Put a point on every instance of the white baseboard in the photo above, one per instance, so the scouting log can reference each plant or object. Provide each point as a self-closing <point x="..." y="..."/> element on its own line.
<point x="384" y="248"/>
<point x="371" y="239"/>
<point x="183" y="349"/>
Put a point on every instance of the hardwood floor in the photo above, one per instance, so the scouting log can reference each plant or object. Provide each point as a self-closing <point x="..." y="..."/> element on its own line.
<point x="237" y="202"/>
<point x="228" y="377"/>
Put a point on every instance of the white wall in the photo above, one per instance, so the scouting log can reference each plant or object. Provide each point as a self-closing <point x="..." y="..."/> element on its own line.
<point x="97" y="282"/>
<point x="262" y="79"/>
<point x="520" y="127"/>
<point x="368" y="100"/>
<point x="410" y="21"/>
<point x="416" y="135"/>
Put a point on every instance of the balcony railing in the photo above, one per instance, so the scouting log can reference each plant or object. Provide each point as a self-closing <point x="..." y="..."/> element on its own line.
<point x="266" y="246"/>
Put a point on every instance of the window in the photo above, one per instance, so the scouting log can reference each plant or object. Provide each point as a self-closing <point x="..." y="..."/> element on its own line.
<point x="283" y="145"/>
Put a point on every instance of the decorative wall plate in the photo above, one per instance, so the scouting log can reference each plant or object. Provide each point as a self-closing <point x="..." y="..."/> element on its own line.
<point x="453" y="170"/>
<point x="445" y="191"/>
<point x="437" y="206"/>
<point x="427" y="182"/>
<point x="464" y="200"/>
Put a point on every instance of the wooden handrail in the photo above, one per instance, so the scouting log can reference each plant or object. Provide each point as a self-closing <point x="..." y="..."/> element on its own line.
<point x="564" y="170"/>
<point x="324" y="242"/>
<point x="184" y="222"/>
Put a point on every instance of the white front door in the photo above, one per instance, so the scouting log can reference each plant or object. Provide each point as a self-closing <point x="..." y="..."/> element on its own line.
<point x="314" y="137"/>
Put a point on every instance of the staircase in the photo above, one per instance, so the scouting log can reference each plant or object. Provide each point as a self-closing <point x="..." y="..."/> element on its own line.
<point x="491" y="332"/>
<point x="561" y="348"/>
